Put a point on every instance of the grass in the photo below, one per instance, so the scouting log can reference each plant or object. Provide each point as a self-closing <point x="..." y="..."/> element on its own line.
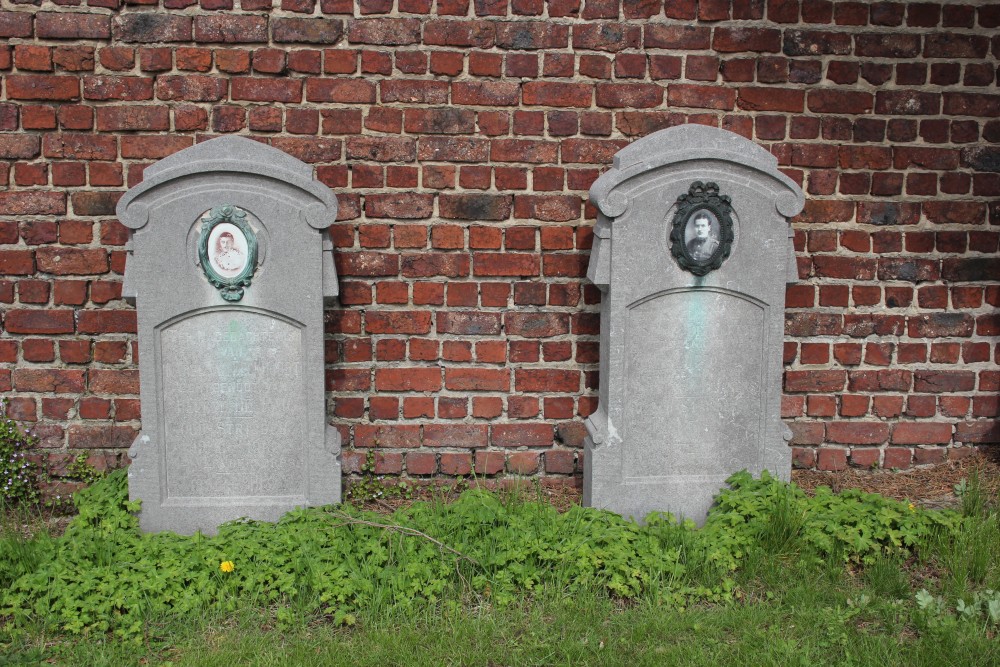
<point x="790" y="608"/>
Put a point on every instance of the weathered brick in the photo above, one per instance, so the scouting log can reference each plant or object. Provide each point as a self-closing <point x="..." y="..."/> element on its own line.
<point x="147" y="27"/>
<point x="104" y="436"/>
<point x="306" y="30"/>
<point x="72" y="25"/>
<point x="232" y="29"/>
<point x="478" y="34"/>
<point x="407" y="379"/>
<point x="15" y="24"/>
<point x="456" y="435"/>
<point x="521" y="35"/>
<point x="49" y="380"/>
<point x="521" y="435"/>
<point x="43" y="87"/>
<point x="384" y="31"/>
<point x="32" y="202"/>
<point x="347" y="91"/>
<point x="107" y="87"/>
<point x="191" y="88"/>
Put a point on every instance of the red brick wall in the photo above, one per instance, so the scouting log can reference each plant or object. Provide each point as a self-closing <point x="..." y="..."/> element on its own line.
<point x="461" y="138"/>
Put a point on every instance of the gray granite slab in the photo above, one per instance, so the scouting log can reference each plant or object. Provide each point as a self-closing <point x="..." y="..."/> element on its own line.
<point x="692" y="252"/>
<point x="229" y="266"/>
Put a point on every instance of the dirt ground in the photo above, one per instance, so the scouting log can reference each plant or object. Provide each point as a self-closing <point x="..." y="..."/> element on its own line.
<point x="932" y="487"/>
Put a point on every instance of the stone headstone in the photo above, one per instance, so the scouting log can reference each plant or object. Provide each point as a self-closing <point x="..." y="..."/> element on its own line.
<point x="692" y="251"/>
<point x="229" y="265"/>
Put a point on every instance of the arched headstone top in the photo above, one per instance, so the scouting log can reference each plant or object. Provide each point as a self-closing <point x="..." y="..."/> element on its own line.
<point x="689" y="143"/>
<point x="231" y="155"/>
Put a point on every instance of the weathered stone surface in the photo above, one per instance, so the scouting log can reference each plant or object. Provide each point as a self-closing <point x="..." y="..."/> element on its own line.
<point x="691" y="358"/>
<point x="231" y="373"/>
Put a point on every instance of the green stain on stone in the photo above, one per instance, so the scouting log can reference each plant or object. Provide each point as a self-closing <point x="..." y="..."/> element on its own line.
<point x="694" y="337"/>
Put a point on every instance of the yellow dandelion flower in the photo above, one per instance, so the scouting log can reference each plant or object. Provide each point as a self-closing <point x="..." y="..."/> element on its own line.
<point x="913" y="508"/>
<point x="227" y="566"/>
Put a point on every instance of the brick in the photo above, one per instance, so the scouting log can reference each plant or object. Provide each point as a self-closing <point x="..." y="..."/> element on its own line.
<point x="833" y="459"/>
<point x="407" y="206"/>
<point x="132" y="118"/>
<point x="347" y="91"/>
<point x="866" y="457"/>
<point x="603" y="36"/>
<point x="897" y="457"/>
<point x="943" y="381"/>
<point x="72" y="25"/>
<point x="840" y="101"/>
<point x="425" y="265"/>
<point x="772" y="99"/>
<point x="523" y="463"/>
<point x="477" y="34"/>
<point x="553" y="94"/>
<point x="454" y="463"/>
<point x="418" y="92"/>
<point x="536" y="380"/>
<point x="977" y="432"/>
<point x="444" y="120"/>
<point x="384" y="31"/>
<point x="15" y="24"/>
<point x="421" y="463"/>
<point x="521" y="435"/>
<point x="477" y="379"/>
<point x="43" y="87"/>
<point x="952" y="45"/>
<point x="233" y="29"/>
<point x="106" y="321"/>
<point x="907" y="103"/>
<point x="100" y="381"/>
<point x="17" y="263"/>
<point x="522" y="35"/>
<point x="394" y="437"/>
<point x="743" y="39"/>
<point x="104" y="436"/>
<point x="816" y="43"/>
<point x="266" y="90"/>
<point x="474" y="206"/>
<point x="857" y="433"/>
<point x="887" y="45"/>
<point x="398" y="322"/>
<point x="51" y="380"/>
<point x="456" y="435"/>
<point x="381" y="149"/>
<point x="108" y="87"/>
<point x="921" y="433"/>
<point x="701" y="97"/>
<point x="407" y="379"/>
<point x="147" y="28"/>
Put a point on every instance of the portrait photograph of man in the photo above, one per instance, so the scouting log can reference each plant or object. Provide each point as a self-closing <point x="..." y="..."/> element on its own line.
<point x="701" y="236"/>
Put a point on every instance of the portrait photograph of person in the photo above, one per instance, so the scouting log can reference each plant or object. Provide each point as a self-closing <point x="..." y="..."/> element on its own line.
<point x="227" y="250"/>
<point x="701" y="236"/>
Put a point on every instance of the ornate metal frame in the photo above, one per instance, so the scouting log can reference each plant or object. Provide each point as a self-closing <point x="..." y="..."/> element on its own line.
<point x="230" y="288"/>
<point x="702" y="196"/>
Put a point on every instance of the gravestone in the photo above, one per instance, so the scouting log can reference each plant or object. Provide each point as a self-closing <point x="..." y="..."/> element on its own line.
<point x="228" y="265"/>
<point x="692" y="252"/>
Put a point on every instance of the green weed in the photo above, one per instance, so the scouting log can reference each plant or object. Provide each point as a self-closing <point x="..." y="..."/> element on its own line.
<point x="18" y="475"/>
<point x="104" y="576"/>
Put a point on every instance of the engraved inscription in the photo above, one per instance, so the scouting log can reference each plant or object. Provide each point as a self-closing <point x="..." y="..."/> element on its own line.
<point x="695" y="397"/>
<point x="233" y="405"/>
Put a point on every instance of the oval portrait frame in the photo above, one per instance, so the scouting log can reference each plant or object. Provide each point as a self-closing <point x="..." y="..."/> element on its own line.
<point x="230" y="288"/>
<point x="702" y="196"/>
